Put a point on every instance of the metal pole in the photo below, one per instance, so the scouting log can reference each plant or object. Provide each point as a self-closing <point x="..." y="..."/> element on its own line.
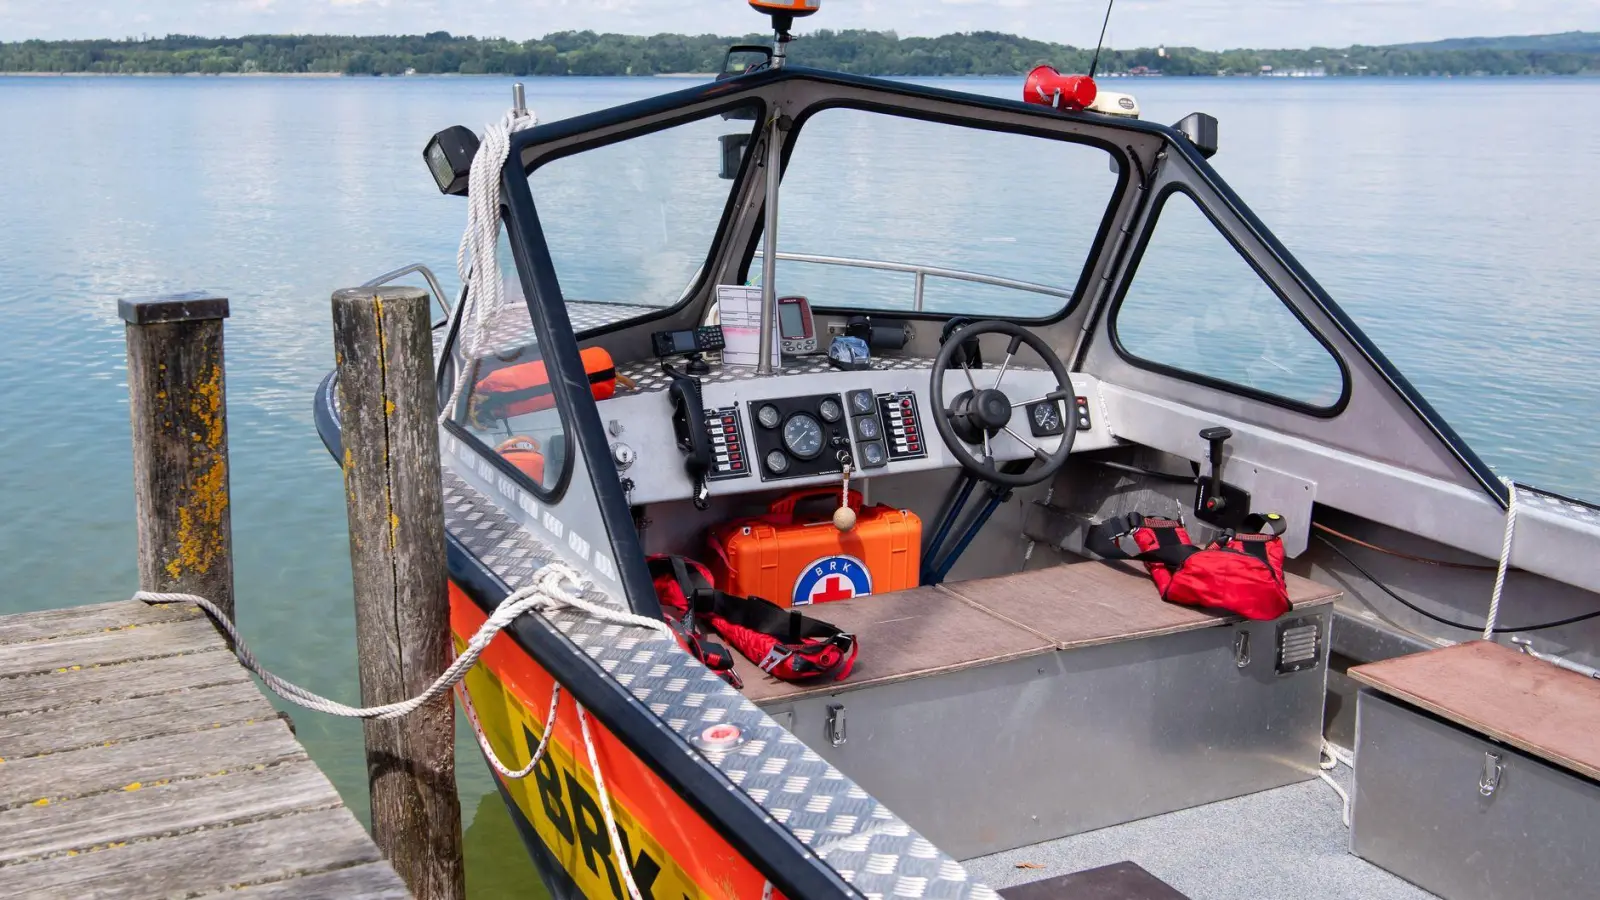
<point x="922" y="279"/>
<point x="769" y="250"/>
<point x="519" y="100"/>
<point x="389" y="411"/>
<point x="180" y="445"/>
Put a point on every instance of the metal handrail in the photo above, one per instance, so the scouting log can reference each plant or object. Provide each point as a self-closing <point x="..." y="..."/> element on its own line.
<point x="922" y="273"/>
<point x="433" y="286"/>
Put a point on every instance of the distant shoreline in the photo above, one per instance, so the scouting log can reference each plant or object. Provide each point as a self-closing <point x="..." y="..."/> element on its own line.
<point x="588" y="53"/>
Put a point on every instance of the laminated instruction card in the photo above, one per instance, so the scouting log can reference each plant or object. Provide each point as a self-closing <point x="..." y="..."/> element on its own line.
<point x="740" y="313"/>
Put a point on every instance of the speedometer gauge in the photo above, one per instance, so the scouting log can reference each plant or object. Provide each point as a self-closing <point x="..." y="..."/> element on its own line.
<point x="802" y="435"/>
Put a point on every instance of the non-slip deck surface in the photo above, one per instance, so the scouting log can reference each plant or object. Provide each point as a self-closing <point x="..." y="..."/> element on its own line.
<point x="138" y="759"/>
<point x="1274" y="845"/>
<point x="1499" y="692"/>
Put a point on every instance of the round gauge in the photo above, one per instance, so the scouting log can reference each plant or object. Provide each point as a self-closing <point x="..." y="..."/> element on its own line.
<point x="777" y="463"/>
<point x="1046" y="416"/>
<point x="768" y="416"/>
<point x="830" y="410"/>
<point x="860" y="402"/>
<point x="872" y="454"/>
<point x="802" y="435"/>
<point x="867" y="429"/>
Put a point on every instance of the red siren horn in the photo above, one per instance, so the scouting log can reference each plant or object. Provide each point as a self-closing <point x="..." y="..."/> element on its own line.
<point x="1047" y="87"/>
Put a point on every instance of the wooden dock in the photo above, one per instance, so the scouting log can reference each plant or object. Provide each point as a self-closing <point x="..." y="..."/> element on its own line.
<point x="138" y="759"/>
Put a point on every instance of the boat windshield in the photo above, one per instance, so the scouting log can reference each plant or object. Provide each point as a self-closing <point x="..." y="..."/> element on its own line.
<point x="879" y="211"/>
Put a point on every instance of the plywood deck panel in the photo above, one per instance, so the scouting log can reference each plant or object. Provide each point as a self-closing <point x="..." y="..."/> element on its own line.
<point x="1086" y="603"/>
<point x="903" y="635"/>
<point x="138" y="759"/>
<point x="1503" y="694"/>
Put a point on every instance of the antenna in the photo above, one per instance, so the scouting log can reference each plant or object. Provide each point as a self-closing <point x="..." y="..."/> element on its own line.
<point x="1094" y="64"/>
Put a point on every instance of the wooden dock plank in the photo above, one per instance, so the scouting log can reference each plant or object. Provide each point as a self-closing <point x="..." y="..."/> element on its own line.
<point x="121" y="645"/>
<point x="78" y="773"/>
<point x="138" y="759"/>
<point x="269" y="850"/>
<point x="58" y="623"/>
<point x="161" y="810"/>
<point x="177" y="712"/>
<point x="374" y="881"/>
<point x="56" y="690"/>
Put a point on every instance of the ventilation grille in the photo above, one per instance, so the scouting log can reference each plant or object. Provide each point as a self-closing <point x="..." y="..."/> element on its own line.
<point x="1299" y="645"/>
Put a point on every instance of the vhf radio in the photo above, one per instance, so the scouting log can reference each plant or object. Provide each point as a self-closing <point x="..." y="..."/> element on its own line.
<point x="689" y="342"/>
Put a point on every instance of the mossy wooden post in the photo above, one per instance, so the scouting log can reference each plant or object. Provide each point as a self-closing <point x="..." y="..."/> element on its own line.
<point x="388" y="411"/>
<point x="180" y="444"/>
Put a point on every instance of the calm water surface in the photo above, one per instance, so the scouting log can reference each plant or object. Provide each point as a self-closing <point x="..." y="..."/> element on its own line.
<point x="1458" y="221"/>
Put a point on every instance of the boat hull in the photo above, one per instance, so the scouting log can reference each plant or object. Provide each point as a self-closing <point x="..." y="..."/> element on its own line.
<point x="673" y="852"/>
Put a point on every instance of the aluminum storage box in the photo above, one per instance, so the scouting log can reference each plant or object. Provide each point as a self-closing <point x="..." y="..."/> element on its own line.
<point x="1468" y="818"/>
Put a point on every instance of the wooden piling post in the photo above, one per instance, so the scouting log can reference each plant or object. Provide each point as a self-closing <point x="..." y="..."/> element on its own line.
<point x="180" y="444"/>
<point x="388" y="408"/>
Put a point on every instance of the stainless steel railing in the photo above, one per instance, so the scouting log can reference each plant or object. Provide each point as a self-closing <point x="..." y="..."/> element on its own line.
<point x="922" y="273"/>
<point x="427" y="275"/>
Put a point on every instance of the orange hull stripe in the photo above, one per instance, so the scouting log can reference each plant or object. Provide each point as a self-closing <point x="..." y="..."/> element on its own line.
<point x="633" y="786"/>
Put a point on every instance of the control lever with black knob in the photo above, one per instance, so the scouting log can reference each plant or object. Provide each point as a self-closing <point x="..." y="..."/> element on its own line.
<point x="1215" y="501"/>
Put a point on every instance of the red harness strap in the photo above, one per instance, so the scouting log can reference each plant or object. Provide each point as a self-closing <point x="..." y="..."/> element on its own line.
<point x="784" y="643"/>
<point x="1239" y="573"/>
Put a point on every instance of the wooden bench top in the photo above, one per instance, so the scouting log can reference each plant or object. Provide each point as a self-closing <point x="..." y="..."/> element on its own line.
<point x="1086" y="603"/>
<point x="903" y="635"/>
<point x="929" y="630"/>
<point x="1506" y="695"/>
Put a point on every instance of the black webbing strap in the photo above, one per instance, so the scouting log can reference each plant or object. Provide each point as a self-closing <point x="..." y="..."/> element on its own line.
<point x="754" y="613"/>
<point x="1102" y="540"/>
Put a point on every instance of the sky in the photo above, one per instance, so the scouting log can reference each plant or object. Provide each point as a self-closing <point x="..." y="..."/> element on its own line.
<point x="1210" y="24"/>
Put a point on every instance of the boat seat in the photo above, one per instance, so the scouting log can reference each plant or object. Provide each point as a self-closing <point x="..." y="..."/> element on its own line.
<point x="1510" y="697"/>
<point x="932" y="630"/>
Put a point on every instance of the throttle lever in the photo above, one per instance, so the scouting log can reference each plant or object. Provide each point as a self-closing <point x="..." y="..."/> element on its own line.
<point x="1217" y="436"/>
<point x="1215" y="501"/>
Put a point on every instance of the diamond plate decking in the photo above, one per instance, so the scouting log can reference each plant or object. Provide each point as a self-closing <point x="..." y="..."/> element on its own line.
<point x="138" y="759"/>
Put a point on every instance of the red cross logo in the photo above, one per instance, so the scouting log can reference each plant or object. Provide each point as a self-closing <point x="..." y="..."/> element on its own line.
<point x="835" y="588"/>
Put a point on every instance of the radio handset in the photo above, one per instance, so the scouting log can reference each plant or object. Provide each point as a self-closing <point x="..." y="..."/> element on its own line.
<point x="689" y="425"/>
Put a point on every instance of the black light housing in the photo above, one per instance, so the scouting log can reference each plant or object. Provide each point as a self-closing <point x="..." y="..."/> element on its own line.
<point x="1201" y="130"/>
<point x="449" y="157"/>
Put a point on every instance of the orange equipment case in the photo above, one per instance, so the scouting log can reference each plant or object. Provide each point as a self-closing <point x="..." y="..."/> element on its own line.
<point x="795" y="561"/>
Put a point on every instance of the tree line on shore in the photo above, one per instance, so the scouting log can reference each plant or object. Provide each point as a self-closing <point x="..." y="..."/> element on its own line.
<point x="863" y="52"/>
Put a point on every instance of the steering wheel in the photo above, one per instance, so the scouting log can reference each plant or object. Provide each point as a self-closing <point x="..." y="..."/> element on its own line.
<point x="979" y="414"/>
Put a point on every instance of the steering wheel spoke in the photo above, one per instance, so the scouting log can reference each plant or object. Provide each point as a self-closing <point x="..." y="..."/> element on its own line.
<point x="1038" y="451"/>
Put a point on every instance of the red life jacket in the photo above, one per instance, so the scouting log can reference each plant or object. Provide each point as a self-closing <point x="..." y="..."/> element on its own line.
<point x="784" y="643"/>
<point x="525" y="387"/>
<point x="1241" y="573"/>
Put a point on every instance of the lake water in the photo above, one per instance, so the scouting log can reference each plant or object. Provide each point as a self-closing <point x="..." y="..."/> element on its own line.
<point x="1458" y="221"/>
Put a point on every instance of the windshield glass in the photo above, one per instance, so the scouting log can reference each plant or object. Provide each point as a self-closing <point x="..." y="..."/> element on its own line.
<point x="632" y="222"/>
<point x="878" y="209"/>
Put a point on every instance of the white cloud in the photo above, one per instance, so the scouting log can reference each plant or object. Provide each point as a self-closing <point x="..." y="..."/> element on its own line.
<point x="1213" y="24"/>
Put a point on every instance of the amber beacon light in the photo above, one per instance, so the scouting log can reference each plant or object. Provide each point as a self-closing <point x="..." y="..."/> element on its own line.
<point x="1047" y="87"/>
<point x="795" y="8"/>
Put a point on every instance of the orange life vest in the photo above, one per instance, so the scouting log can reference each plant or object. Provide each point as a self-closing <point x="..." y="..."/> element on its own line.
<point x="525" y="388"/>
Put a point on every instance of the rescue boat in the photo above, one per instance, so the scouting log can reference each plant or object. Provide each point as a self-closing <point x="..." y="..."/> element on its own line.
<point x="696" y="328"/>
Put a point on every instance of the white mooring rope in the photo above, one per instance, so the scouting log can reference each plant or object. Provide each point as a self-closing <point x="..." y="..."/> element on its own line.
<point x="477" y="256"/>
<point x="1505" y="560"/>
<point x="546" y="593"/>
<point x="1331" y="758"/>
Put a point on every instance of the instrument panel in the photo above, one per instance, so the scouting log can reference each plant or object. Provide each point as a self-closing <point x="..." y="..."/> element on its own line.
<point x="789" y="430"/>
